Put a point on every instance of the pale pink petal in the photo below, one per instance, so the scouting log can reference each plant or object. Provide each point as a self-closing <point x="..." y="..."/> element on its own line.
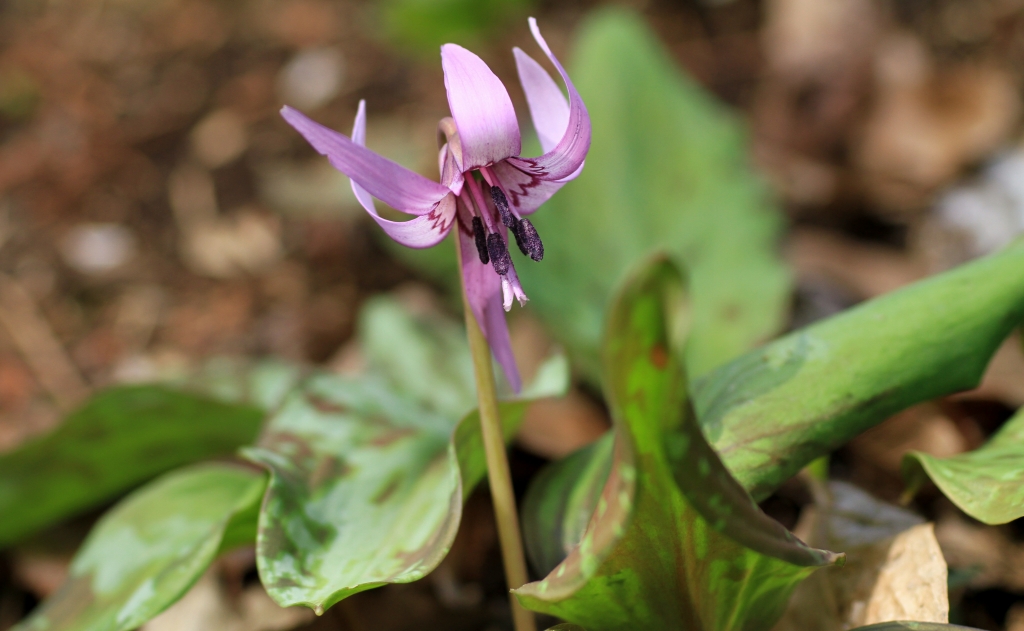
<point x="549" y="108"/>
<point x="481" y="108"/>
<point x="524" y="191"/>
<point x="388" y="181"/>
<point x="512" y="288"/>
<point x="566" y="158"/>
<point x="423" y="231"/>
<point x="483" y="292"/>
<point x="451" y="176"/>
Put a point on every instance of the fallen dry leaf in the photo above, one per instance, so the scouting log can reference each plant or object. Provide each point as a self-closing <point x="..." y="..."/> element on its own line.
<point x="1004" y="378"/>
<point x="219" y="138"/>
<point x="987" y="553"/>
<point x="866" y="269"/>
<point x="929" y="122"/>
<point x="246" y="243"/>
<point x="877" y="454"/>
<point x="903" y="578"/>
<point x="817" y="75"/>
<point x="554" y="428"/>
<point x="42" y="573"/>
<point x="1015" y="618"/>
<point x="206" y="607"/>
<point x="887" y="576"/>
<point x="34" y="337"/>
<point x="975" y="218"/>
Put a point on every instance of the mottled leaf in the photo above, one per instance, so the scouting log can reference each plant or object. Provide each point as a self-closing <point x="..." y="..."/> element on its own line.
<point x="675" y="542"/>
<point x="422" y="357"/>
<point x="119" y="439"/>
<point x="987" y="483"/>
<point x="560" y="501"/>
<point x="146" y="552"/>
<point x="263" y="383"/>
<point x="772" y="411"/>
<point x="368" y="473"/>
<point x="364" y="490"/>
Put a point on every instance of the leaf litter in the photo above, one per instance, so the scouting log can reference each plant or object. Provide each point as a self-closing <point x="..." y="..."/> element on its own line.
<point x="99" y="106"/>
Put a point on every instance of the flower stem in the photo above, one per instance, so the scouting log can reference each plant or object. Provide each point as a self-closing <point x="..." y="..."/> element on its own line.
<point x="498" y="474"/>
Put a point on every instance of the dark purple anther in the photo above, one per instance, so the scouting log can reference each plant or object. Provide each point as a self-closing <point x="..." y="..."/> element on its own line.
<point x="528" y="240"/>
<point x="498" y="252"/>
<point x="519" y="240"/>
<point x="481" y="240"/>
<point x="501" y="203"/>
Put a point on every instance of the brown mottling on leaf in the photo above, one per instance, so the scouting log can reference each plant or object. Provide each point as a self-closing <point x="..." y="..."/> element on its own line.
<point x="68" y="603"/>
<point x="659" y="356"/>
<point x="328" y="469"/>
<point x="297" y="448"/>
<point x="387" y="490"/>
<point x="731" y="312"/>
<point x="324" y="405"/>
<point x="285" y="582"/>
<point x="391" y="436"/>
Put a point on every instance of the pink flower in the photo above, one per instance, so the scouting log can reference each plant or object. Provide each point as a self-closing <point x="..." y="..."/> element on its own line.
<point x="486" y="187"/>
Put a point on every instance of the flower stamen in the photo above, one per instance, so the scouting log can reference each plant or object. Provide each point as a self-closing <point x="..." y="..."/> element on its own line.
<point x="481" y="205"/>
<point x="481" y="240"/>
<point x="501" y="203"/>
<point x="498" y="252"/>
<point x="528" y="240"/>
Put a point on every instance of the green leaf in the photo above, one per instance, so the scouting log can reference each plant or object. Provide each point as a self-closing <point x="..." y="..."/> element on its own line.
<point x="668" y="170"/>
<point x="262" y="384"/>
<point x="368" y="474"/>
<point x="423" y="358"/>
<point x="774" y="410"/>
<point x="675" y="543"/>
<point x="987" y="483"/>
<point x="364" y="491"/>
<point x="117" y="440"/>
<point x="560" y="501"/>
<point x="422" y="26"/>
<point x="146" y="552"/>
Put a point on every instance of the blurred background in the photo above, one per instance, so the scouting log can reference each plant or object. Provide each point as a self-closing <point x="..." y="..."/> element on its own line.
<point x="155" y="210"/>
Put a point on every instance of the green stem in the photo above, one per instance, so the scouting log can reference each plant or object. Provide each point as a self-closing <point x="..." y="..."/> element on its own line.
<point x="498" y="474"/>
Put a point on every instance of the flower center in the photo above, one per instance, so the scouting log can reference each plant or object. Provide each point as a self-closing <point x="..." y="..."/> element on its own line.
<point x="487" y="216"/>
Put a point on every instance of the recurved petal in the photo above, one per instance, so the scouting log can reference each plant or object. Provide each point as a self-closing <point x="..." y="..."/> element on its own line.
<point x="484" y="294"/>
<point x="423" y="231"/>
<point x="525" y="191"/>
<point x="481" y="107"/>
<point x="566" y="158"/>
<point x="388" y="181"/>
<point x="549" y="108"/>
